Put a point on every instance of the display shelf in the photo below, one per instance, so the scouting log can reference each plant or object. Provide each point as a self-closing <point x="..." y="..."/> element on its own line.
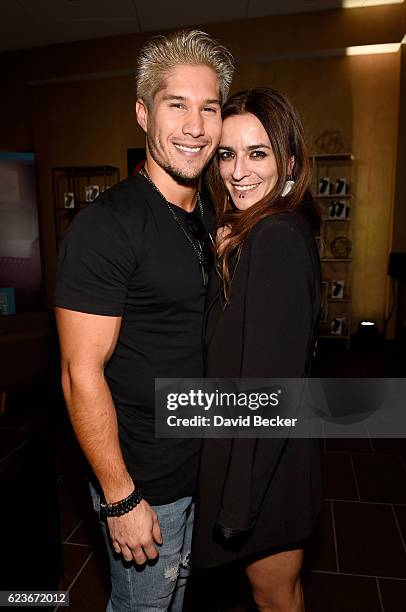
<point x="333" y="173"/>
<point x="74" y="184"/>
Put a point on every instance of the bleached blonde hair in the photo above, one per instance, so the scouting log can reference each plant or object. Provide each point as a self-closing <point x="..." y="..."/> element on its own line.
<point x="184" y="47"/>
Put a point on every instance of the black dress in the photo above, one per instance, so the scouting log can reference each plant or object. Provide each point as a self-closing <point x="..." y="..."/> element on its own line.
<point x="266" y="331"/>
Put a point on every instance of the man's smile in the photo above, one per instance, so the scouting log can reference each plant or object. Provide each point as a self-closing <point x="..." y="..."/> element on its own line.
<point x="191" y="149"/>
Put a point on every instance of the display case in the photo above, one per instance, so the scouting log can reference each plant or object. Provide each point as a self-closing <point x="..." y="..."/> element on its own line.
<point x="333" y="186"/>
<point x="76" y="187"/>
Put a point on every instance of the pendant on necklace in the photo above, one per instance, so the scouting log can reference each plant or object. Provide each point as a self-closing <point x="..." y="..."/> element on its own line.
<point x="205" y="276"/>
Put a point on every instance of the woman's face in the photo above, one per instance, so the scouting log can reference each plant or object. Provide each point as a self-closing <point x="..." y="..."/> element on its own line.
<point x="247" y="163"/>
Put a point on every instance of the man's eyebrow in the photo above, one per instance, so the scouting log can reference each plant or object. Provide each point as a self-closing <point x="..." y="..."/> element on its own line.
<point x="183" y="99"/>
<point x="173" y="97"/>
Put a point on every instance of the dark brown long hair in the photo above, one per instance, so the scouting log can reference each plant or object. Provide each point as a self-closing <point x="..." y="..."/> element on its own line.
<point x="282" y="124"/>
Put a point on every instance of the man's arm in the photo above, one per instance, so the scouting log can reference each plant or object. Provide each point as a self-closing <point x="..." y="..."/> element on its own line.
<point x="87" y="342"/>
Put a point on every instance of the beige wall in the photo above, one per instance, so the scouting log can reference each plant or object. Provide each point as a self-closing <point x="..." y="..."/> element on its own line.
<point x="91" y="121"/>
<point x="399" y="227"/>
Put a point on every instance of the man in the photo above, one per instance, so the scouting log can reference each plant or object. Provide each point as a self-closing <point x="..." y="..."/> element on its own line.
<point x="129" y="295"/>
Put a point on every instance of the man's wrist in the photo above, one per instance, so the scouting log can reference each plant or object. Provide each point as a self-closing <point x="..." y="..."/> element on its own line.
<point x="115" y="492"/>
<point x="124" y="506"/>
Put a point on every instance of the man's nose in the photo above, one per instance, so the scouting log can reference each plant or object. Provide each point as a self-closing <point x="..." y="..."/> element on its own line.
<point x="194" y="124"/>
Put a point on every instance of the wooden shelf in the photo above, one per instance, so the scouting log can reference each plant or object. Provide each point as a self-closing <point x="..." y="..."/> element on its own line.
<point x="80" y="207"/>
<point x="334" y="337"/>
<point x="330" y="259"/>
<point x="83" y="171"/>
<point x="332" y="157"/>
<point x="321" y="196"/>
<point x="338" y="300"/>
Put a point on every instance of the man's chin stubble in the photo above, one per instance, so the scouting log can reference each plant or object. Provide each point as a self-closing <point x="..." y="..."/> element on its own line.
<point x="175" y="173"/>
<point x="180" y="178"/>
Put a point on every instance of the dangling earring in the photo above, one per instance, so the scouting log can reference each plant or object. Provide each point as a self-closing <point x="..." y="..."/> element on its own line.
<point x="288" y="186"/>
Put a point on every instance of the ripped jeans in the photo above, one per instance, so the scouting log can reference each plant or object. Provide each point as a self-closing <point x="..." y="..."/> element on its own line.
<point x="160" y="586"/>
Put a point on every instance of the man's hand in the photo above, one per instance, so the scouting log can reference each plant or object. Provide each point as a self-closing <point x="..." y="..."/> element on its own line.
<point x="134" y="534"/>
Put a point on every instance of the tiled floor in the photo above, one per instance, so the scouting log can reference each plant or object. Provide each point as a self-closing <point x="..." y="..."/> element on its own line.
<point x="356" y="561"/>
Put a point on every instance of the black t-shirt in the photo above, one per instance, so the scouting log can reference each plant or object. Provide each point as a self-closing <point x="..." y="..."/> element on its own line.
<point x="125" y="255"/>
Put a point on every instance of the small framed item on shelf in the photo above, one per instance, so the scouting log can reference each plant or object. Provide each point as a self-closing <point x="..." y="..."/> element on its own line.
<point x="341" y="187"/>
<point x="91" y="192"/>
<point x="341" y="247"/>
<point x="324" y="186"/>
<point x="337" y="326"/>
<point x="337" y="289"/>
<point x="69" y="199"/>
<point x="338" y="210"/>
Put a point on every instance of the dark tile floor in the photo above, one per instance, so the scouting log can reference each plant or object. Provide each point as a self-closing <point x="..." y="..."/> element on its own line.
<point x="356" y="561"/>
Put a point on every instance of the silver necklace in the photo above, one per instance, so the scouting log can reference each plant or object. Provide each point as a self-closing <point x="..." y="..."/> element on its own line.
<point x="197" y="248"/>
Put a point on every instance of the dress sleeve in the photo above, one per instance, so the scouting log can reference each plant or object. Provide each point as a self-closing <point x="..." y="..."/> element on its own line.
<point x="278" y="332"/>
<point x="96" y="261"/>
<point x="278" y="320"/>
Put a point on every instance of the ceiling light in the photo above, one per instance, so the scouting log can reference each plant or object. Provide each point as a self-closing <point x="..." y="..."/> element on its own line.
<point x="372" y="49"/>
<point x="358" y="4"/>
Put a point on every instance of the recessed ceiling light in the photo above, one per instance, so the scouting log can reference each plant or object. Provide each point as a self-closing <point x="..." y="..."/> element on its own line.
<point x="358" y="4"/>
<point x="372" y="49"/>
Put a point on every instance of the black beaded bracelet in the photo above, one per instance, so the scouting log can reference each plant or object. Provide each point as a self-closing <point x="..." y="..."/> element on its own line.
<point x="121" y="507"/>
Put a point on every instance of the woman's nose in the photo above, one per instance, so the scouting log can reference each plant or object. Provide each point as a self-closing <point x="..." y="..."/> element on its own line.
<point x="241" y="168"/>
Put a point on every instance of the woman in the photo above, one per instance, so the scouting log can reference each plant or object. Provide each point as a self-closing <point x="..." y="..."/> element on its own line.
<point x="258" y="499"/>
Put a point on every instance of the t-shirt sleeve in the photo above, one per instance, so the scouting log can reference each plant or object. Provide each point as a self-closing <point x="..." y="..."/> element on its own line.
<point x="96" y="261"/>
<point x="279" y="303"/>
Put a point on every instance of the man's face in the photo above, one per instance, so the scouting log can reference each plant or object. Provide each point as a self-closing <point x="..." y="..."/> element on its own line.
<point x="184" y="124"/>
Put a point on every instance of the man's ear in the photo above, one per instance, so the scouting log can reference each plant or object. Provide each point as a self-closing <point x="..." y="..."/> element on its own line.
<point x="141" y="112"/>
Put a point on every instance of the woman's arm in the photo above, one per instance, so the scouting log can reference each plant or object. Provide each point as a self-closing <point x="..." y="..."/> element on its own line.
<point x="278" y="321"/>
<point x="278" y="333"/>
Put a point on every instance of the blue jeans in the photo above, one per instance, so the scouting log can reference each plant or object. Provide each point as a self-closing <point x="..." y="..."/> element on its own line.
<point x="158" y="586"/>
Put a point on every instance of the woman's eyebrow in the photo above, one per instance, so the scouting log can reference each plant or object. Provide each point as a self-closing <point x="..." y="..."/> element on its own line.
<point x="248" y="148"/>
<point x="257" y="146"/>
